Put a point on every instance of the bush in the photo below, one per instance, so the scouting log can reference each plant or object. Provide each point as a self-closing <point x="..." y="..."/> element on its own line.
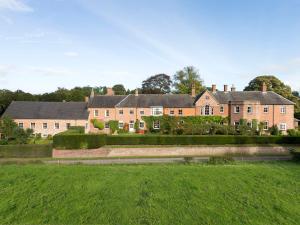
<point x="98" y="124"/>
<point x="217" y="160"/>
<point x="77" y="129"/>
<point x="293" y="132"/>
<point x="25" y="151"/>
<point x="274" y="130"/>
<point x="78" y="141"/>
<point x="113" y="125"/>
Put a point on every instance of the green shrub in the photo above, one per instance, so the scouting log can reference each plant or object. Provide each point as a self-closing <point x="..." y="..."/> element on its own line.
<point x="216" y="160"/>
<point x="293" y="132"/>
<point x="98" y="124"/>
<point x="274" y="130"/>
<point x="77" y="129"/>
<point x="25" y="151"/>
<point x="113" y="125"/>
<point x="78" y="141"/>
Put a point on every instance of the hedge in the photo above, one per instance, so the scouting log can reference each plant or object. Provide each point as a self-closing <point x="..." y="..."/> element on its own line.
<point x="90" y="141"/>
<point x="25" y="151"/>
<point x="78" y="141"/>
<point x="198" y="140"/>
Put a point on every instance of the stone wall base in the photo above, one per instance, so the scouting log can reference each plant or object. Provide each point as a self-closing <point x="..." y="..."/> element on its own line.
<point x="168" y="151"/>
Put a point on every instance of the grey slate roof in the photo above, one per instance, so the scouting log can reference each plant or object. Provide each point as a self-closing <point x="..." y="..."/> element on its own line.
<point x="148" y="100"/>
<point x="47" y="110"/>
<point x="265" y="98"/>
<point x="104" y="101"/>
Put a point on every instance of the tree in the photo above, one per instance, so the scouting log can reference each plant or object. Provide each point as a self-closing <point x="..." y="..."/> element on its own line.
<point x="157" y="84"/>
<point x="276" y="85"/>
<point x="186" y="78"/>
<point x="119" y="89"/>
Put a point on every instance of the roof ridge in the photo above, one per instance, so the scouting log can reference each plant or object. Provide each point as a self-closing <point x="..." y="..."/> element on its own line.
<point x="282" y="97"/>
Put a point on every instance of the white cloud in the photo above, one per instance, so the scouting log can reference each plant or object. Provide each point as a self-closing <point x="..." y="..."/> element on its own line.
<point x="71" y="54"/>
<point x="6" y="19"/>
<point x="15" y="5"/>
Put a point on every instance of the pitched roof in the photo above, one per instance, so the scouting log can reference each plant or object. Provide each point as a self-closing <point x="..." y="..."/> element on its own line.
<point x="167" y="100"/>
<point x="265" y="98"/>
<point x="47" y="110"/>
<point x="104" y="101"/>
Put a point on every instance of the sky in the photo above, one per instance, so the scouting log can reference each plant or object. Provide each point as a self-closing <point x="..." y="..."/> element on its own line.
<point x="45" y="44"/>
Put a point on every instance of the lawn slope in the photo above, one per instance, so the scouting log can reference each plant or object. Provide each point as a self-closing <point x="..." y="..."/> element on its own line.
<point x="258" y="193"/>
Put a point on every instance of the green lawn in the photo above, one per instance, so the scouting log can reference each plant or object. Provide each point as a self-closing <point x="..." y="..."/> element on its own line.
<point x="257" y="193"/>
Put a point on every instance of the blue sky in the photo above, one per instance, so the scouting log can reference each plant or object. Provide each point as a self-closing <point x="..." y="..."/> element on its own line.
<point x="65" y="43"/>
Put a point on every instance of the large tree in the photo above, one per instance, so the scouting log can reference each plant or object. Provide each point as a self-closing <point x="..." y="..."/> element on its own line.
<point x="119" y="89"/>
<point x="276" y="85"/>
<point x="186" y="78"/>
<point x="157" y="84"/>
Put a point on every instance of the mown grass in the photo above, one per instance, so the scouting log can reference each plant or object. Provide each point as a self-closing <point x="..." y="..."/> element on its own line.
<point x="247" y="193"/>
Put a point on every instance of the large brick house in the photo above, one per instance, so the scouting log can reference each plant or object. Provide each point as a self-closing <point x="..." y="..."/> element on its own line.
<point x="50" y="118"/>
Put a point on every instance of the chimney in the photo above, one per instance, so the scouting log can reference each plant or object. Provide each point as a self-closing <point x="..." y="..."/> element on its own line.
<point x="264" y="87"/>
<point x="225" y="88"/>
<point x="86" y="99"/>
<point x="110" y="92"/>
<point x="137" y="92"/>
<point x="214" y="88"/>
<point x="233" y="88"/>
<point x="92" y="93"/>
<point x="193" y="90"/>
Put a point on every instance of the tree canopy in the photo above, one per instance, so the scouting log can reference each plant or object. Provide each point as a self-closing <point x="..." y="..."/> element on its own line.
<point x="276" y="85"/>
<point x="119" y="89"/>
<point x="186" y="78"/>
<point x="157" y="84"/>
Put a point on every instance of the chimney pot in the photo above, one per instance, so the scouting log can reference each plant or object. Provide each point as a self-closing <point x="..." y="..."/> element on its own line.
<point x="137" y="92"/>
<point x="214" y="88"/>
<point x="233" y="88"/>
<point x="225" y="88"/>
<point x="86" y="99"/>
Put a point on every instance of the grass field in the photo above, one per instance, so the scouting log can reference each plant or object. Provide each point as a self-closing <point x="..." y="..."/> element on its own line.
<point x="257" y="193"/>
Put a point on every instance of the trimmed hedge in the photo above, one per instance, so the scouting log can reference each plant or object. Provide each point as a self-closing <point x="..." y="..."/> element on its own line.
<point x="25" y="151"/>
<point x="78" y="141"/>
<point x="198" y="140"/>
<point x="90" y="141"/>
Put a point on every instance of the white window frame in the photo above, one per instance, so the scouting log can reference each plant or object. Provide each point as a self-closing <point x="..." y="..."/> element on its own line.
<point x="267" y="109"/>
<point x="142" y="112"/>
<point x="236" y="123"/>
<point x="131" y="124"/>
<point x="157" y="111"/>
<point x="21" y="125"/>
<point x="131" y="111"/>
<point x="172" y="112"/>
<point x="222" y="109"/>
<point x="96" y="112"/>
<point x="283" y="109"/>
<point x="45" y="127"/>
<point x="121" y="124"/>
<point x="284" y="127"/>
<point x="235" y="109"/>
<point x="266" y="125"/>
<point x="32" y="127"/>
<point x="121" y="112"/>
<point x="156" y="125"/>
<point x="142" y="127"/>
<point x="249" y="123"/>
<point x="251" y="109"/>
<point x="68" y="125"/>
<point x="106" y="125"/>
<point x="56" y="127"/>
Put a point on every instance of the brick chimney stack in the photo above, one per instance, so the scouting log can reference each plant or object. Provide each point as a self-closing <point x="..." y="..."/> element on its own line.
<point x="110" y="92"/>
<point x="86" y="99"/>
<point x="214" y="88"/>
<point x="233" y="88"/>
<point x="264" y="87"/>
<point x="193" y="91"/>
<point x="225" y="88"/>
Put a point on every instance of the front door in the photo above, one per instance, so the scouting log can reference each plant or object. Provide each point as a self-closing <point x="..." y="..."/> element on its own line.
<point x="131" y="126"/>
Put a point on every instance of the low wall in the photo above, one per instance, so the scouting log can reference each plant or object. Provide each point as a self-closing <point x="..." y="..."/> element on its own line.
<point x="168" y="151"/>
